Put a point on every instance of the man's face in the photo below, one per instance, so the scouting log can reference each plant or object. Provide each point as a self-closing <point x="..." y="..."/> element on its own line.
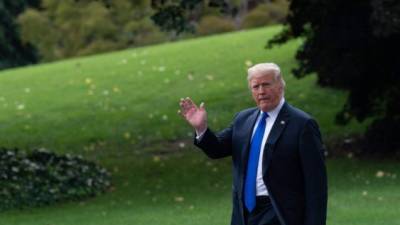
<point x="266" y="91"/>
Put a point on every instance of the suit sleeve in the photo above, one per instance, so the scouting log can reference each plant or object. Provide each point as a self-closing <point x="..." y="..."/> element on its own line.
<point x="314" y="171"/>
<point x="216" y="145"/>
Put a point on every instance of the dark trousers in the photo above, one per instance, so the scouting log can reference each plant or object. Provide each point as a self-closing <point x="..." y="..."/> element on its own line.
<point x="263" y="213"/>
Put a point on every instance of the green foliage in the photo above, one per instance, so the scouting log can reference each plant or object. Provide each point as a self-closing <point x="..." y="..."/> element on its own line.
<point x="75" y="28"/>
<point x="172" y="17"/>
<point x="42" y="177"/>
<point x="178" y="15"/>
<point x="214" y="24"/>
<point x="39" y="25"/>
<point x="266" y="14"/>
<point x="13" y="52"/>
<point x="181" y="15"/>
<point x="143" y="32"/>
<point x="352" y="45"/>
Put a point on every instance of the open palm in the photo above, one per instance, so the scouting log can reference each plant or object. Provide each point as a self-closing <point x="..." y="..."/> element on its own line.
<point x="196" y="116"/>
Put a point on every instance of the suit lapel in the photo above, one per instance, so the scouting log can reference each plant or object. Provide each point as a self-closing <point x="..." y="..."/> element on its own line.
<point x="248" y="130"/>
<point x="250" y="121"/>
<point x="276" y="131"/>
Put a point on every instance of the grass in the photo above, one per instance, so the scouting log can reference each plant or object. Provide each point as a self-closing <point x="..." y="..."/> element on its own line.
<point x="120" y="100"/>
<point x="184" y="187"/>
<point x="120" y="109"/>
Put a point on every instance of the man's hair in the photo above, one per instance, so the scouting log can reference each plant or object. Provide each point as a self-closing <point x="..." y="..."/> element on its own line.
<point x="263" y="69"/>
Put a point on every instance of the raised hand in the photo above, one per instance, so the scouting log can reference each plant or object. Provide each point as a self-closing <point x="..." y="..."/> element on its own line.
<point x="195" y="116"/>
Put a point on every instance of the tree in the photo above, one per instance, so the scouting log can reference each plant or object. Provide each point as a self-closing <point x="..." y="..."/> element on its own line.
<point x="350" y="45"/>
<point x="353" y="45"/>
<point x="83" y="27"/>
<point x="13" y="52"/>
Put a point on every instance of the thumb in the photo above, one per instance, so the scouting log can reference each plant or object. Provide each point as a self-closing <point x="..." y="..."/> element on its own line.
<point x="202" y="106"/>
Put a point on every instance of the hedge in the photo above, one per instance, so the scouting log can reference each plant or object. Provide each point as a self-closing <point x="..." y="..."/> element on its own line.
<point x="42" y="177"/>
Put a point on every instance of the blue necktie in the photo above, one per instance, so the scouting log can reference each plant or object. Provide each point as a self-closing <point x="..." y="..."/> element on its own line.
<point x="252" y="164"/>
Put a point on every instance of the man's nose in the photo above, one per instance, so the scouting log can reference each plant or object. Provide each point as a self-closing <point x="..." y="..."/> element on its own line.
<point x="261" y="89"/>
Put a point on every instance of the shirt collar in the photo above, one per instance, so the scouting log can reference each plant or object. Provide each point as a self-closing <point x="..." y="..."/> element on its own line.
<point x="274" y="112"/>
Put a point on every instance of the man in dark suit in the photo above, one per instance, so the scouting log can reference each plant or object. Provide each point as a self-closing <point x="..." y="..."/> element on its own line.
<point x="279" y="175"/>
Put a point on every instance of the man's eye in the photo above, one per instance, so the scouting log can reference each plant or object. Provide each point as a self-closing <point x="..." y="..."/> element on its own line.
<point x="267" y="85"/>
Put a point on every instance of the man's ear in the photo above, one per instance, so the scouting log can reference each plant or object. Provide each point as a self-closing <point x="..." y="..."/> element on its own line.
<point x="281" y="88"/>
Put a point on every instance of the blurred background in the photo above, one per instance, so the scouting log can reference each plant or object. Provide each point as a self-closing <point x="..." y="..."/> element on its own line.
<point x="42" y="31"/>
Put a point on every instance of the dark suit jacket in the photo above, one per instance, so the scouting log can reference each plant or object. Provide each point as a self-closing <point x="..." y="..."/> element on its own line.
<point x="293" y="164"/>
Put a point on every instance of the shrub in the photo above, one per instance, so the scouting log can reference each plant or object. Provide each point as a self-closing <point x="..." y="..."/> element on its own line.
<point x="42" y="177"/>
<point x="213" y="25"/>
<point x="266" y="14"/>
<point x="142" y="32"/>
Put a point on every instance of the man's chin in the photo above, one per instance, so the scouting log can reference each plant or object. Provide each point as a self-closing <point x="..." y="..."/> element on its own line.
<point x="264" y="107"/>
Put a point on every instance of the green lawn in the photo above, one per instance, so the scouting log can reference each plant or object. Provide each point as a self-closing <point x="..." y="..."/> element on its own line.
<point x="184" y="187"/>
<point x="119" y="109"/>
<point x="120" y="100"/>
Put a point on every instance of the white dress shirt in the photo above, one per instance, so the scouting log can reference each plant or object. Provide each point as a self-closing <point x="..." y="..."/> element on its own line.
<point x="270" y="120"/>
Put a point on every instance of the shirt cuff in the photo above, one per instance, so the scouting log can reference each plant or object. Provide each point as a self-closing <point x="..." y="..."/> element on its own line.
<point x="200" y="135"/>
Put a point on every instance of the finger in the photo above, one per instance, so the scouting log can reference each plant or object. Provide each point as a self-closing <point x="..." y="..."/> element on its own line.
<point x="183" y="110"/>
<point x="181" y="101"/>
<point x="184" y="107"/>
<point x="181" y="113"/>
<point x="183" y="104"/>
<point x="190" y="102"/>
<point x="202" y="105"/>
